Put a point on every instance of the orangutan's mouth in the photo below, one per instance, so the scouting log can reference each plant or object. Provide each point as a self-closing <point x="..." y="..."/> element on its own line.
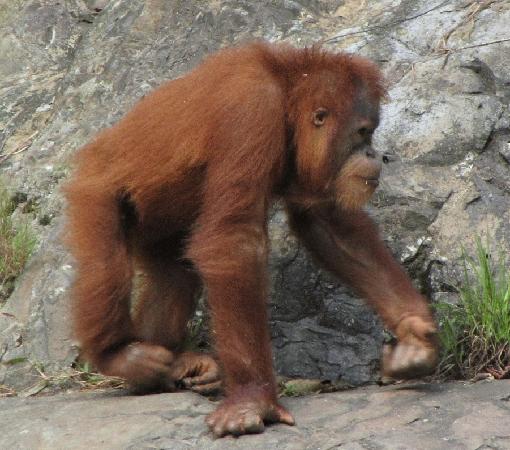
<point x="374" y="182"/>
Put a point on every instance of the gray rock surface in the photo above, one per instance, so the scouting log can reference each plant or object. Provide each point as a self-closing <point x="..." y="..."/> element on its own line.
<point x="453" y="416"/>
<point x="70" y="68"/>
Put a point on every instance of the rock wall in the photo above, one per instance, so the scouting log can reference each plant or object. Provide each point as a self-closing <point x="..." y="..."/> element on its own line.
<point x="71" y="68"/>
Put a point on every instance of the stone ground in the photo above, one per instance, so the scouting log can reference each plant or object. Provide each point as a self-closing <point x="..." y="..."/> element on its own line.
<point x="407" y="416"/>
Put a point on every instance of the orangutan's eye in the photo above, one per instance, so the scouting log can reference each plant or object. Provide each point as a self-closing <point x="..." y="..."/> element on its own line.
<point x="365" y="132"/>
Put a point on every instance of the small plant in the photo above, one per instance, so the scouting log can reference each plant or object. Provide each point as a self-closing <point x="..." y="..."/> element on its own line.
<point x="300" y="387"/>
<point x="6" y="391"/>
<point x="87" y="378"/>
<point x="16" y="245"/>
<point x="197" y="338"/>
<point x="79" y="376"/>
<point x="475" y="333"/>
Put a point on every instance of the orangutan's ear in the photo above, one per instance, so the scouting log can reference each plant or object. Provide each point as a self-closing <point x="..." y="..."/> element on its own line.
<point x="314" y="142"/>
<point x="319" y="116"/>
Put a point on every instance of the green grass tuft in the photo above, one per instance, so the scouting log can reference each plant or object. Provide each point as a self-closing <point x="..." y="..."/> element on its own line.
<point x="475" y="333"/>
<point x="16" y="245"/>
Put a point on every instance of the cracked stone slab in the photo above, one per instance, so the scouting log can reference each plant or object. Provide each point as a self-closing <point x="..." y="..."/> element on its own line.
<point x="456" y="416"/>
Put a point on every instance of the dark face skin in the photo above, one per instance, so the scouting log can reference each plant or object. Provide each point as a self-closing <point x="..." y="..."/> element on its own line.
<point x="365" y="121"/>
<point x="357" y="163"/>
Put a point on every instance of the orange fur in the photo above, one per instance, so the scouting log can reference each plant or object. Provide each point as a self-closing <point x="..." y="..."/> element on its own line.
<point x="180" y="188"/>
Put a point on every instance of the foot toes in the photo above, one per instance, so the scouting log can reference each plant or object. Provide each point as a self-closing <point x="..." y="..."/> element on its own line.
<point x="219" y="431"/>
<point x="235" y="428"/>
<point x="247" y="414"/>
<point x="253" y="424"/>
<point x="284" y="416"/>
<point x="207" y="389"/>
<point x="207" y="378"/>
<point x="209" y="420"/>
<point x="217" y="424"/>
<point x="235" y="424"/>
